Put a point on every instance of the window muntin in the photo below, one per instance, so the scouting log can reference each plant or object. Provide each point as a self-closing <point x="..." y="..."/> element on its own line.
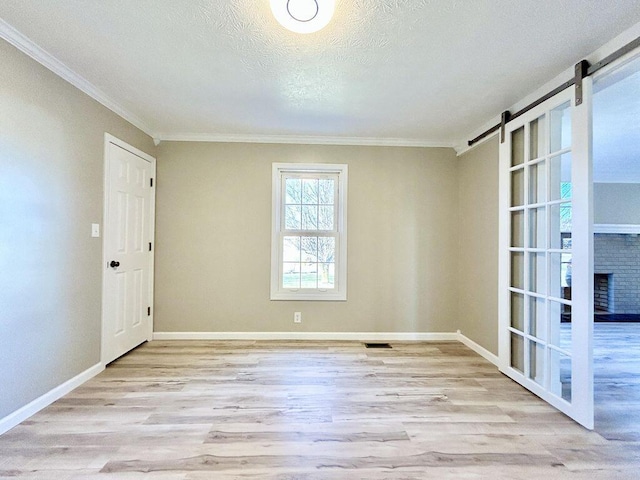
<point x="309" y="240"/>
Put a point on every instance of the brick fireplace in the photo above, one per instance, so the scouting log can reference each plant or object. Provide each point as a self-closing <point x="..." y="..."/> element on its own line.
<point x="617" y="274"/>
<point x="602" y="284"/>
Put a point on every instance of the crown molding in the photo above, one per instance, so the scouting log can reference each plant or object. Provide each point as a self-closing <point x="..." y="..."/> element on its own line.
<point x="28" y="47"/>
<point x="300" y="140"/>
<point x="463" y="147"/>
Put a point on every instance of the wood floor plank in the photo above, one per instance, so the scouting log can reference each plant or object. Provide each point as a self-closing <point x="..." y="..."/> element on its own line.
<point x="293" y="410"/>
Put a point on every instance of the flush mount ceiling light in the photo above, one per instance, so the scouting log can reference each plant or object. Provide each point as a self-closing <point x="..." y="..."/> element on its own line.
<point x="303" y="16"/>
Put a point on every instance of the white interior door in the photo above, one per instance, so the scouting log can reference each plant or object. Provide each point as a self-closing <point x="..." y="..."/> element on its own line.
<point x="128" y="249"/>
<point x="546" y="252"/>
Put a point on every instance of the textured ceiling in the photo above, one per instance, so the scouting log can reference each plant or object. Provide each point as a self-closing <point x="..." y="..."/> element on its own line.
<point x="422" y="71"/>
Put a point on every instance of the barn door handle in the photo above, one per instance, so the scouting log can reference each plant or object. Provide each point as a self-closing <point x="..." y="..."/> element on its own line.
<point x="114" y="264"/>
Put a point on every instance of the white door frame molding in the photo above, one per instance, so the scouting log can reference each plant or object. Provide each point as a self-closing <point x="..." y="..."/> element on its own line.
<point x="112" y="140"/>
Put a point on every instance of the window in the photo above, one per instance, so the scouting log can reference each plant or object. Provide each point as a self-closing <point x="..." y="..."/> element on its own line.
<point x="309" y="240"/>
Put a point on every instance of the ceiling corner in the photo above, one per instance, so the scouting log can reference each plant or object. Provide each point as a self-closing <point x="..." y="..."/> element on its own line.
<point x="44" y="58"/>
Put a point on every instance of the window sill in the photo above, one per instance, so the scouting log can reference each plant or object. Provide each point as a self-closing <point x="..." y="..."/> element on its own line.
<point x="309" y="296"/>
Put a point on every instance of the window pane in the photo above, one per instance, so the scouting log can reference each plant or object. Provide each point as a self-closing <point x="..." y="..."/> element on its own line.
<point x="537" y="316"/>
<point x="309" y="217"/>
<point x="326" y="249"/>
<point x="560" y="128"/>
<point x="291" y="275"/>
<point x="565" y="214"/>
<point x="309" y="275"/>
<point x="291" y="249"/>
<point x="326" y="275"/>
<point x="560" y="177"/>
<point x="294" y="190"/>
<point x="326" y="191"/>
<point x="325" y="218"/>
<point x="517" y="229"/>
<point x="537" y="272"/>
<point x="517" y="311"/>
<point x="517" y="270"/>
<point x="560" y="325"/>
<point x="517" y="352"/>
<point x="517" y="147"/>
<point x="536" y="137"/>
<point x="560" y="375"/>
<point x="517" y="188"/>
<point x="561" y="225"/>
<point x="309" y="247"/>
<point x="537" y="183"/>
<point x="560" y="275"/>
<point x="536" y="362"/>
<point x="537" y="228"/>
<point x="292" y="217"/>
<point x="310" y="191"/>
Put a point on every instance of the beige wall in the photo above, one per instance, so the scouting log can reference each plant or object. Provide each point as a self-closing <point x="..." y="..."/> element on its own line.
<point x="477" y="239"/>
<point x="421" y="229"/>
<point x="616" y="203"/>
<point x="214" y="236"/>
<point x="51" y="164"/>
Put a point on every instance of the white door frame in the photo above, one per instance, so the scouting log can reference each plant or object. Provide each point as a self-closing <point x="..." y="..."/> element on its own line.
<point x="581" y="406"/>
<point x="108" y="140"/>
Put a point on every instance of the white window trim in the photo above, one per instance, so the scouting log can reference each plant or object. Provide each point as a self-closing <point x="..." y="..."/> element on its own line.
<point x="339" y="293"/>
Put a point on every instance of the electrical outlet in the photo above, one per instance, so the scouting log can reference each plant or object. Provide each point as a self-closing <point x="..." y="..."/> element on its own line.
<point x="297" y="317"/>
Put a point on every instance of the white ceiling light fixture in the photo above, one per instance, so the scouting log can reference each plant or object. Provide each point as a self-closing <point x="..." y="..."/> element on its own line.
<point x="303" y="16"/>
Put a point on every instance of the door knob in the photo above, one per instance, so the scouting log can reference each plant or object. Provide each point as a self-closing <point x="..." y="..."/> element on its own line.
<point x="114" y="264"/>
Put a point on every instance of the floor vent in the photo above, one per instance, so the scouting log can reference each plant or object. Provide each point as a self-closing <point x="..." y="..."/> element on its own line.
<point x="377" y="345"/>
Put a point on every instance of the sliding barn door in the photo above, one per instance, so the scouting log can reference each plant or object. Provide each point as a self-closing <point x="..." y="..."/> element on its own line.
<point x="546" y="268"/>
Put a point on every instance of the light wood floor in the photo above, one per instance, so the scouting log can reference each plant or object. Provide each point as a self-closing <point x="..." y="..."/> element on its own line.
<point x="617" y="380"/>
<point x="311" y="411"/>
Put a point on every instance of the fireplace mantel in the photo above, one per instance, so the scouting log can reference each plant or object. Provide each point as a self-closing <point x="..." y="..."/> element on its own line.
<point x="616" y="228"/>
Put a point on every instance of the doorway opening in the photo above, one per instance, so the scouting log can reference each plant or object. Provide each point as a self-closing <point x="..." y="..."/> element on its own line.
<point x="616" y="195"/>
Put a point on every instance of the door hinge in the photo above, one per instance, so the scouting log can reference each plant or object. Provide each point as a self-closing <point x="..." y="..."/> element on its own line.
<point x="149" y="246"/>
<point x="148" y="311"/>
<point x="151" y="181"/>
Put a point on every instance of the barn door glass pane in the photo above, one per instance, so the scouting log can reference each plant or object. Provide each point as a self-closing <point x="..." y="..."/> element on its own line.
<point x="517" y="229"/>
<point x="537" y="182"/>
<point x="517" y="311"/>
<point x="517" y="147"/>
<point x="517" y="187"/>
<point x="540" y="250"/>
<point x="517" y="352"/>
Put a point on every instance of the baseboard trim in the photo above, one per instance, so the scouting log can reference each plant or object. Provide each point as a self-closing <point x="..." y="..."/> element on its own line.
<point x="20" y="415"/>
<point x="328" y="336"/>
<point x="479" y="349"/>
<point x="353" y="336"/>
